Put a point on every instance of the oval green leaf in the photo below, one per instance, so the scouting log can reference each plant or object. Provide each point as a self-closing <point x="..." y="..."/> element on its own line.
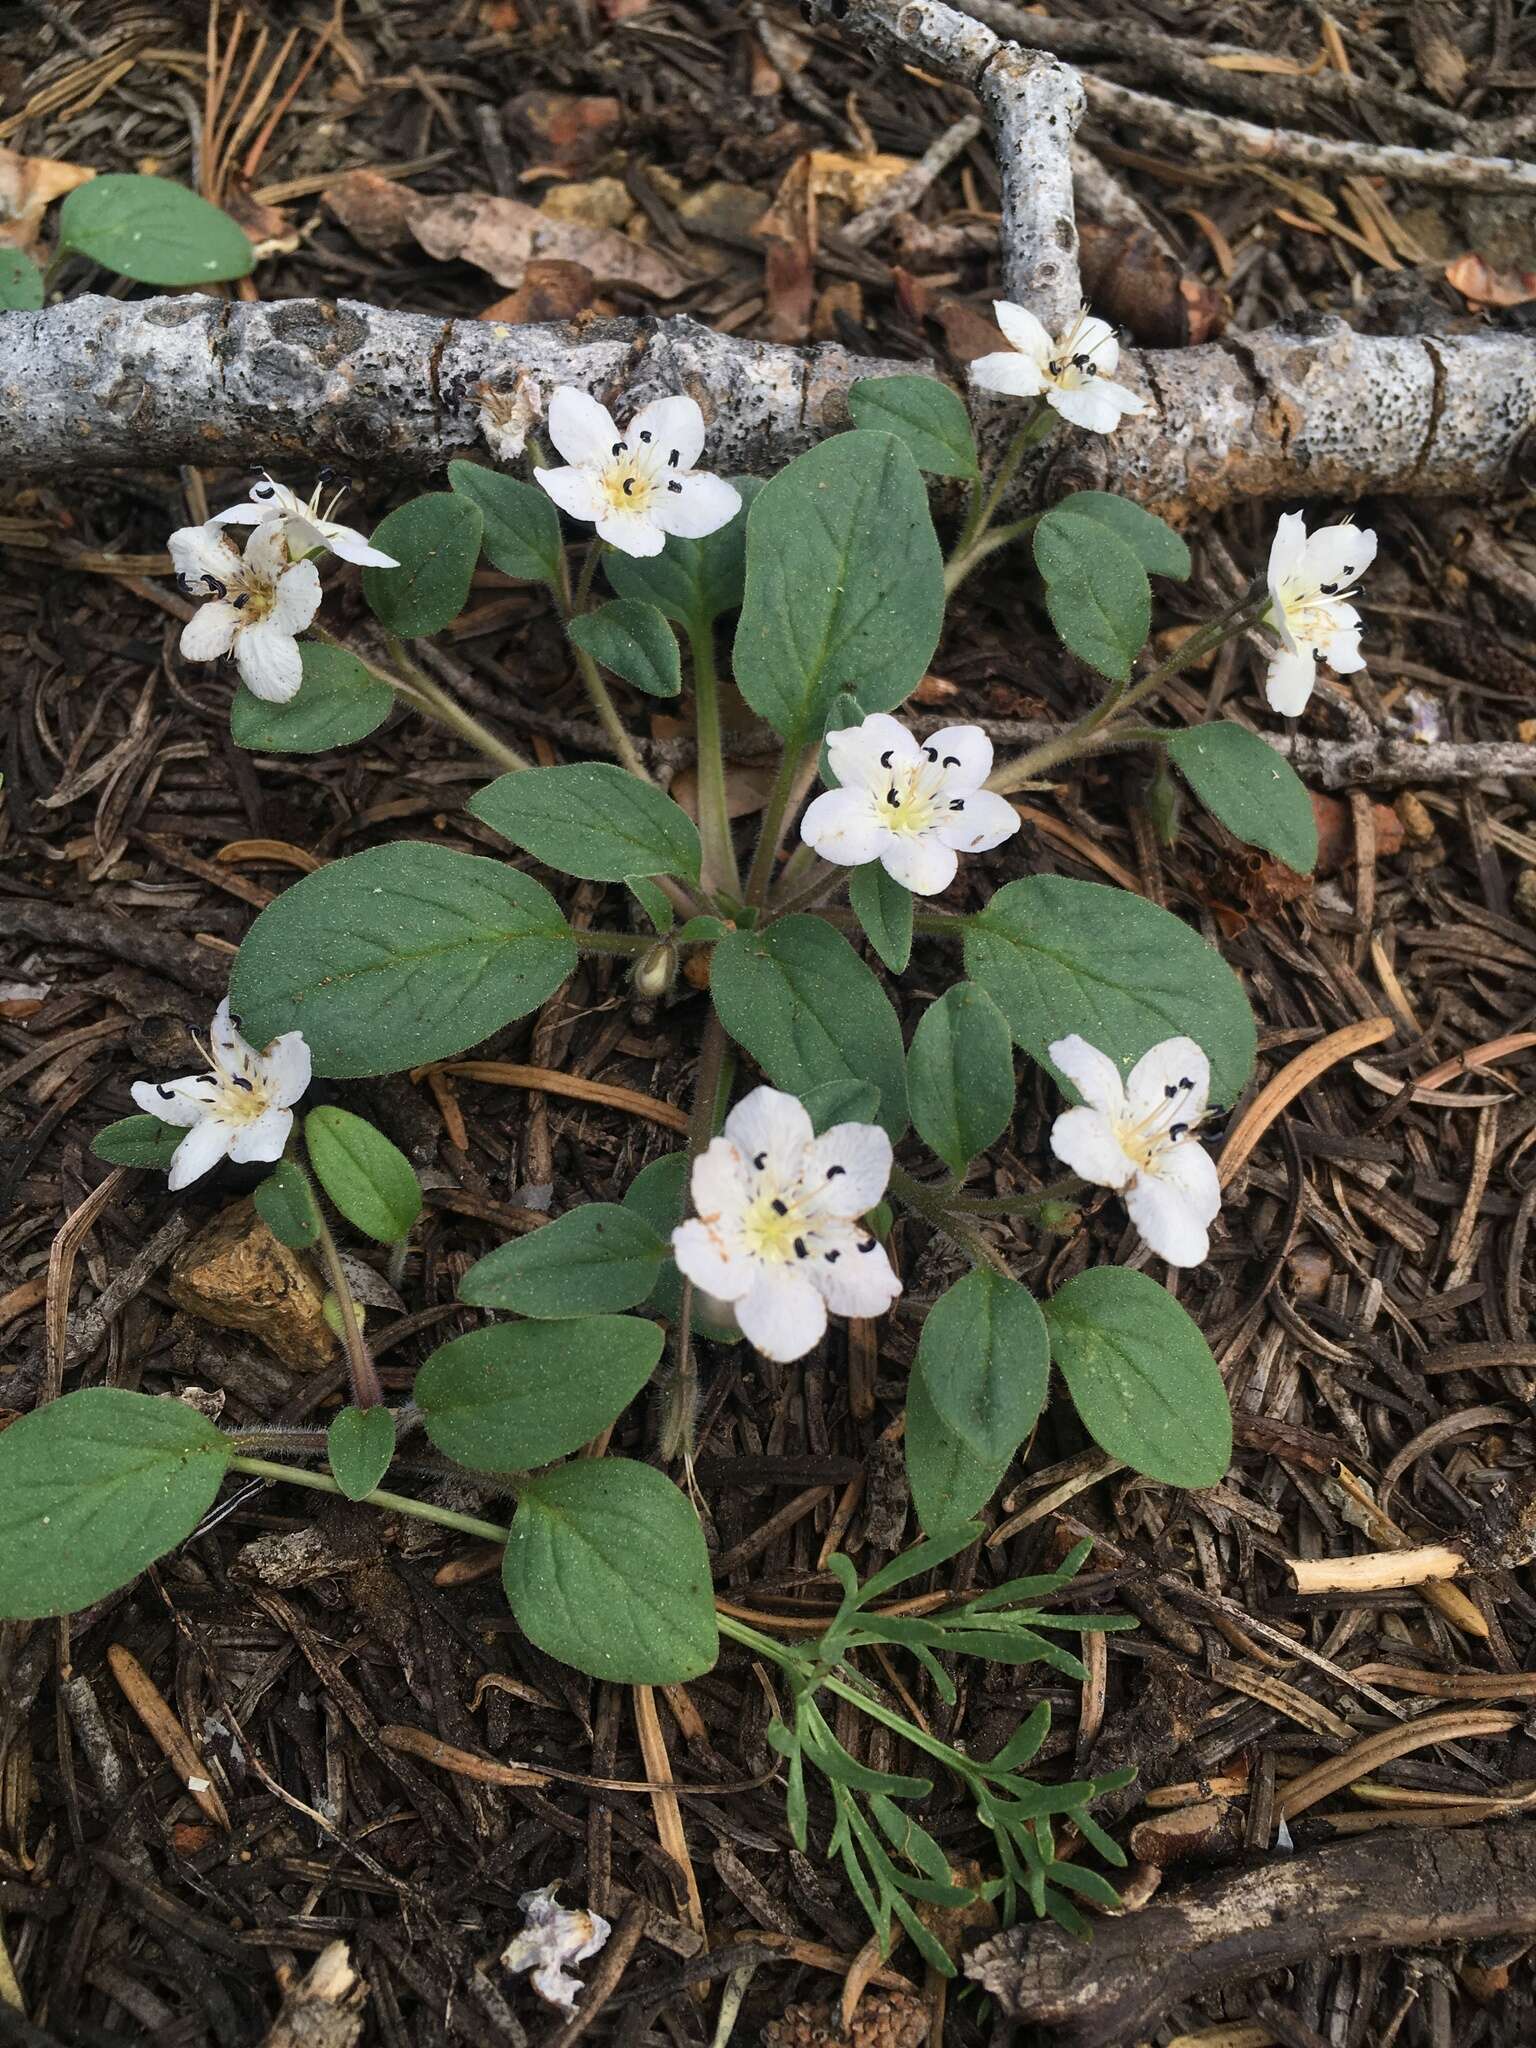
<point x="285" y="1202"/>
<point x="845" y="584"/>
<point x="593" y="820"/>
<point x="592" y="1261"/>
<point x="360" y="1446"/>
<point x="436" y="541"/>
<point x="21" y="282"/>
<point x="985" y="1360"/>
<point x="521" y="530"/>
<point x="1095" y="590"/>
<point x="884" y="910"/>
<point x="515" y="1395"/>
<point x="691" y="581"/>
<point x="138" y="1141"/>
<point x="960" y="1075"/>
<point x="1142" y="1376"/>
<point x="809" y="1010"/>
<point x="397" y="956"/>
<point x="949" y="1481"/>
<point x="93" y="1488"/>
<point x="606" y="1570"/>
<point x="338" y="702"/>
<point x="1058" y="956"/>
<point x="1251" y="788"/>
<point x="1160" y="551"/>
<point x="152" y="231"/>
<point x="369" y="1179"/>
<point x="635" y="641"/>
<point x="925" y="414"/>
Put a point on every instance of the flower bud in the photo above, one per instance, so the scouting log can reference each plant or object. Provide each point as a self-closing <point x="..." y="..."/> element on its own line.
<point x="655" y="971"/>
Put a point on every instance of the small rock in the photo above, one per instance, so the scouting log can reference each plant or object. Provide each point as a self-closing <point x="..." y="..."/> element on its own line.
<point x="236" y="1275"/>
<point x="596" y="203"/>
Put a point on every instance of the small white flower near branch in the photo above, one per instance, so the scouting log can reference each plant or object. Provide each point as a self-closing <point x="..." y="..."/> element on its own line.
<point x="638" y="486"/>
<point x="302" y="523"/>
<point x="554" y="1937"/>
<point x="1073" y="372"/>
<point x="777" y="1233"/>
<point x="256" y="605"/>
<point x="913" y="806"/>
<point x="1137" y="1136"/>
<point x="240" y="1109"/>
<point x="1311" y="579"/>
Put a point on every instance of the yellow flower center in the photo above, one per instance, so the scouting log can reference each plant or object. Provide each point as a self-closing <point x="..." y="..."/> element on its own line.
<point x="771" y="1226"/>
<point x="627" y="485"/>
<point x="907" y="803"/>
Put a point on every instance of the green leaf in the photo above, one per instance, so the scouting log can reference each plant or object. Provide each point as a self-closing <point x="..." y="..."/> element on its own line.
<point x="949" y="1481"/>
<point x="21" y="283"/>
<point x="701" y="930"/>
<point x="1059" y="956"/>
<point x="1095" y="590"/>
<point x="138" y="1141"/>
<point x="360" y="1446"/>
<point x="436" y="540"/>
<point x="655" y="902"/>
<point x="369" y="1179"/>
<point x="884" y="910"/>
<point x="521" y="531"/>
<point x="925" y="414"/>
<point x="591" y="819"/>
<point x="845" y="585"/>
<point x="607" y="1570"/>
<point x="1160" y="551"/>
<point x="1143" y="1378"/>
<point x="591" y="1261"/>
<point x="635" y="641"/>
<point x="152" y="231"/>
<point x="285" y="1202"/>
<point x="658" y="1193"/>
<point x="691" y="581"/>
<point x="1253" y="790"/>
<point x="515" y="1395"/>
<point x="338" y="702"/>
<point x="841" y="1102"/>
<point x="809" y="1010"/>
<point x="93" y="1488"/>
<point x="960" y="1075"/>
<point x="400" y="955"/>
<point x="985" y="1361"/>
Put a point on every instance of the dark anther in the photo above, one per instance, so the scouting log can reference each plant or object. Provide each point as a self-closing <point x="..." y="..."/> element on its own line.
<point x="893" y="799"/>
<point x="932" y="753"/>
<point x="1092" y="370"/>
<point x="241" y="601"/>
<point x="215" y="587"/>
<point x="323" y="476"/>
<point x="645" y="433"/>
<point x="1080" y="362"/>
<point x="629" y="486"/>
<point x="834" y="1171"/>
<point x="161" y="1089"/>
<point x="1170" y="1091"/>
<point x="760" y="1161"/>
<point x="951" y="760"/>
<point x="1177" y="1131"/>
<point x="885" y="758"/>
<point x="261" y="492"/>
<point x="800" y="1250"/>
<point x="674" y="485"/>
<point x="833" y="1257"/>
<point x="868" y="1245"/>
<point x="957" y="803"/>
<point x="1328" y="589"/>
<point x="618" y="447"/>
<point x="241" y="1082"/>
<point x="1054" y="369"/>
<point x="1186" y="1083"/>
<point x="673" y="458"/>
<point x="238" y="1022"/>
<point x="779" y="1208"/>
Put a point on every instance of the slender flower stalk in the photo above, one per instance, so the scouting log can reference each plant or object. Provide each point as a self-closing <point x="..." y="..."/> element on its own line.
<point x="720" y="866"/>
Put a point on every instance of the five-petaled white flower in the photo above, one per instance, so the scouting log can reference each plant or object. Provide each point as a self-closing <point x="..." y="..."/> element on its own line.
<point x="304" y="526"/>
<point x="241" y="1109"/>
<point x="913" y="806"/>
<point x="776" y="1234"/>
<point x="641" y="485"/>
<point x="1073" y="371"/>
<point x="256" y="604"/>
<point x="553" y="1936"/>
<point x="1311" y="579"/>
<point x="1138" y="1135"/>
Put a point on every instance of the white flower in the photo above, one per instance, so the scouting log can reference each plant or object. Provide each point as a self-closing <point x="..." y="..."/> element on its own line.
<point x="241" y="1109"/>
<point x="1138" y="1135"/>
<point x="1073" y="371"/>
<point x="913" y="807"/>
<point x="506" y="422"/>
<point x="258" y="602"/>
<point x="776" y="1233"/>
<point x="641" y="485"/>
<point x="553" y="1936"/>
<point x="1310" y="581"/>
<point x="303" y="525"/>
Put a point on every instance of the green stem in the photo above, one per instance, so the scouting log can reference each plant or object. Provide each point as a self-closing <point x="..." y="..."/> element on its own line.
<point x="367" y="1389"/>
<point x="422" y="694"/>
<point x="720" y="867"/>
<point x="597" y="690"/>
<point x="933" y="1205"/>
<point x="961" y="563"/>
<point x="614" y="942"/>
<point x="395" y="1503"/>
<point x="826" y="881"/>
<point x="793" y="764"/>
<point x="1067" y="1189"/>
<point x="677" y="1438"/>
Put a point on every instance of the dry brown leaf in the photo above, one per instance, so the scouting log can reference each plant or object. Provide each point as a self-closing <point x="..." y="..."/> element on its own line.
<point x="1279" y="67"/>
<point x="790" y="283"/>
<point x="1481" y="285"/>
<point x="1135" y="282"/>
<point x="850" y="182"/>
<point x="550" y="290"/>
<point x="503" y="236"/>
<point x="28" y="187"/>
<point x="375" y="211"/>
<point x="592" y="202"/>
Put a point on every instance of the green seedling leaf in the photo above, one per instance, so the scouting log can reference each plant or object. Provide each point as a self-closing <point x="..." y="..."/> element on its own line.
<point x="949" y="1481"/>
<point x="1251" y="788"/>
<point x="369" y="1179"/>
<point x="635" y="641"/>
<point x="436" y="540"/>
<point x="593" y="820"/>
<point x="360" y="1445"/>
<point x="985" y="1360"/>
<point x="692" y="581"/>
<point x="338" y="702"/>
<point x="138" y="1141"/>
<point x="1095" y="590"/>
<point x="925" y="414"/>
<point x="606" y="1569"/>
<point x="152" y="231"/>
<point x="960" y="1075"/>
<point x="285" y="1202"/>
<point x="397" y="956"/>
<point x="1142" y="1376"/>
<point x="516" y="1395"/>
<point x="884" y="910"/>
<point x="520" y="532"/>
<point x="592" y="1261"/>
<point x="1160" y="551"/>
<point x="94" y="1487"/>
<point x="21" y="283"/>
<point x="655" y="902"/>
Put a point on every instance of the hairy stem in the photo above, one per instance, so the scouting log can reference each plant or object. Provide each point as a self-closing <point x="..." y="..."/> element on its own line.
<point x="934" y="1206"/>
<point x="677" y="1438"/>
<point x="422" y="694"/>
<point x="367" y="1389"/>
<point x="720" y="868"/>
<point x="796" y="767"/>
<point x="394" y="1503"/>
<point x="597" y="690"/>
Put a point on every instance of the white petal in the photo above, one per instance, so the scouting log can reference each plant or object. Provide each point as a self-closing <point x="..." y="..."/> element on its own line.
<point x="1190" y="1169"/>
<point x="1158" y="1078"/>
<point x="1092" y="1073"/>
<point x="1338" y="555"/>
<point x="692" y="506"/>
<point x="986" y="820"/>
<point x="181" y="1102"/>
<point x="246" y="514"/>
<point x="202" y="551"/>
<point x="1097" y="340"/>
<point x="771" y="1126"/>
<point x="1166" y="1221"/>
<point x="1130" y="402"/>
<point x="844" y="826"/>
<point x="1341" y="650"/>
<point x="717" y="1182"/>
<point x="575" y="491"/>
<point x="704" y="1257"/>
<point x="920" y="862"/>
<point x="965" y="755"/>
<point x="350" y="545"/>
<point x="1286" y="550"/>
<point x="856" y="1282"/>
<point x="285" y="1069"/>
<point x="851" y="1164"/>
<point x="1290" y="683"/>
<point x="580" y="428"/>
<point x="210" y="631"/>
<point x="263" y="1137"/>
<point x="1009" y="373"/>
<point x="230" y="1047"/>
<point x="1094" y="406"/>
<point x="855" y="752"/>
<point x="665" y="425"/>
<point x="269" y="662"/>
<point x="1086" y="1141"/>
<point x="1023" y="332"/>
<point x="266" y="552"/>
<point x="632" y="533"/>
<point x="784" y="1316"/>
<point x="200" y="1150"/>
<point x="297" y="599"/>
